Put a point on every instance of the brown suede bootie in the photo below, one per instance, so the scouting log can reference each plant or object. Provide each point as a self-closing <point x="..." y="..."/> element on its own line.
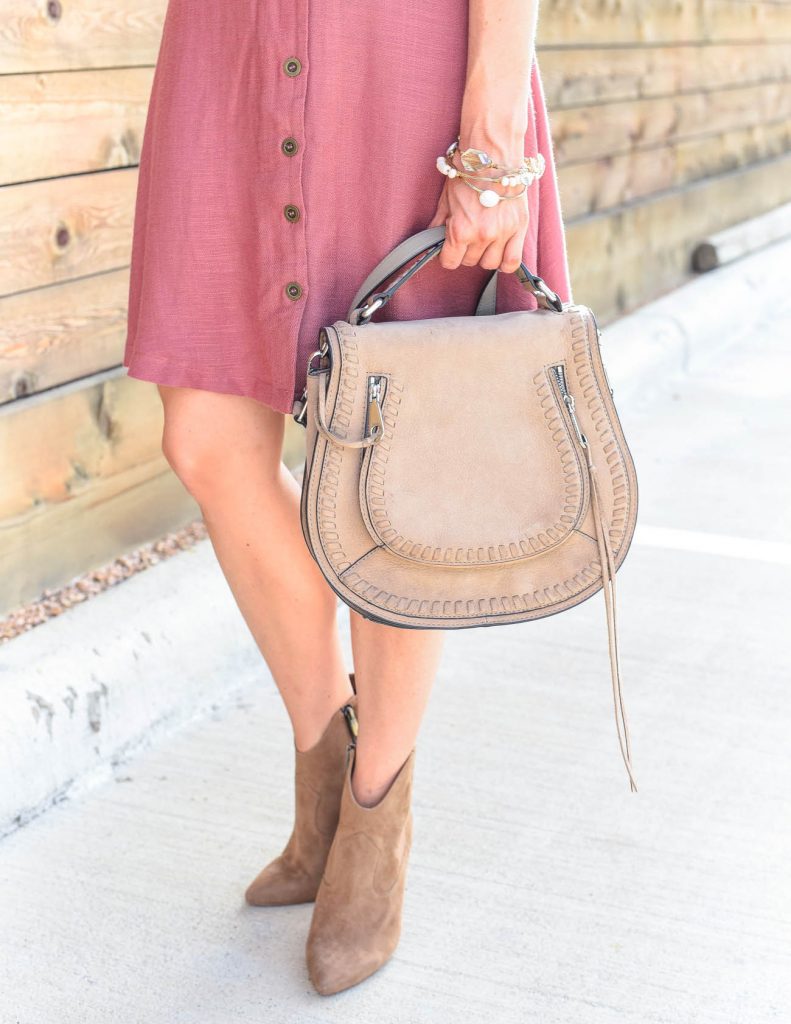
<point x="356" y="922"/>
<point x="294" y="876"/>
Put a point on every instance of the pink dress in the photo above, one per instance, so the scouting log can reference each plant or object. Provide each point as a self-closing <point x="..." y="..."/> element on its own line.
<point x="288" y="147"/>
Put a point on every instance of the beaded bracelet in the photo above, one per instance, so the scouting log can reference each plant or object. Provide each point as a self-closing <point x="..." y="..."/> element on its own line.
<point x="486" y="196"/>
<point x="529" y="171"/>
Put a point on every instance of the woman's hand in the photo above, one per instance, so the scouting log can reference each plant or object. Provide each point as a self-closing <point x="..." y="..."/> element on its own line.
<point x="493" y="236"/>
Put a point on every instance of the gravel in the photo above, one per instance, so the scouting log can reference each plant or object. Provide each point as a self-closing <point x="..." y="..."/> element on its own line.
<point x="56" y="601"/>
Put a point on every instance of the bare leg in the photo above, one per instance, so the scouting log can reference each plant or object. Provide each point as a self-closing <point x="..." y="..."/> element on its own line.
<point x="394" y="672"/>
<point x="226" y="451"/>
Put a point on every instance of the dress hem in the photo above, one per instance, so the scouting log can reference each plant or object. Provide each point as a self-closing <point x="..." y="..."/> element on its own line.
<point x="180" y="375"/>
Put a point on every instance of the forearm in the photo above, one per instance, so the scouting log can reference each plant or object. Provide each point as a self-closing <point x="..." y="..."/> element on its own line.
<point x="501" y="40"/>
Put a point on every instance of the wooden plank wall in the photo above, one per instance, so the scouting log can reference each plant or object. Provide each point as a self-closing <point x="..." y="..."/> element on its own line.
<point x="670" y="119"/>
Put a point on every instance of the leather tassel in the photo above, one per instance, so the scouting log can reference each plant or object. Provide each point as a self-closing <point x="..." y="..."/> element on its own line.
<point x="608" y="586"/>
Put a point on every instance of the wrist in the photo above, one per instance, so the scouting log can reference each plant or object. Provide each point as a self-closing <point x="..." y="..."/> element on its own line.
<point x="501" y="135"/>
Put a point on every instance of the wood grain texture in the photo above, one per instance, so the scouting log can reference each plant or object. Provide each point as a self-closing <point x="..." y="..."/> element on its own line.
<point x="609" y="182"/>
<point x="743" y="238"/>
<point x="83" y="478"/>
<point x="55" y="448"/>
<point x="59" y="123"/>
<point x="76" y="34"/>
<point x="593" y="74"/>
<point x="93" y="527"/>
<point x="64" y="228"/>
<point x="604" y="129"/>
<point x="576" y="23"/>
<point x="53" y="335"/>
<point x="622" y="258"/>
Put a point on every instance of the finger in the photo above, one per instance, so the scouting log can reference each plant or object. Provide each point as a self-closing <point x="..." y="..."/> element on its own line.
<point x="512" y="253"/>
<point x="453" y="249"/>
<point x="492" y="256"/>
<point x="451" y="254"/>
<point x="483" y="234"/>
<point x="474" y="252"/>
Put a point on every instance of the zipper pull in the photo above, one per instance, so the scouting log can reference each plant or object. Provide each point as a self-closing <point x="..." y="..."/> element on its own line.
<point x="569" y="400"/>
<point x="375" y="423"/>
<point x="351" y="719"/>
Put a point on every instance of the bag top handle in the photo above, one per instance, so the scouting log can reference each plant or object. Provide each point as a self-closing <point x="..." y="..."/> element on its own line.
<point x="426" y="244"/>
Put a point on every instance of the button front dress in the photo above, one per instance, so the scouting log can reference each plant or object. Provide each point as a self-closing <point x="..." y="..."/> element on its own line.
<point x="288" y="147"/>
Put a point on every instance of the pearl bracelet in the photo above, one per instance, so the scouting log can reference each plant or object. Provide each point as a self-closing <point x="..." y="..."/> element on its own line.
<point x="529" y="171"/>
<point x="477" y="159"/>
<point x="486" y="196"/>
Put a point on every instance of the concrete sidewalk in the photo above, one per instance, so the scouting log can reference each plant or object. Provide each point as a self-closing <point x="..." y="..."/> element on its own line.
<point x="539" y="889"/>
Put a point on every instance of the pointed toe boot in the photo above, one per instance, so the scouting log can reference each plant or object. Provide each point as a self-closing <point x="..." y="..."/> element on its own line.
<point x="295" y="875"/>
<point x="356" y="923"/>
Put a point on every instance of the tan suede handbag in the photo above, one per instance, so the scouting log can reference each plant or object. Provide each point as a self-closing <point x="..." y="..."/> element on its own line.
<point x="470" y="470"/>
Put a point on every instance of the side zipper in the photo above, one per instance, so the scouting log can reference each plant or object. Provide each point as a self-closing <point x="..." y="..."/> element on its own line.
<point x="559" y="371"/>
<point x="374" y="423"/>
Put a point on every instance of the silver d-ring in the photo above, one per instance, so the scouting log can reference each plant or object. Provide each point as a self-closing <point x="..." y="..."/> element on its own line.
<point x="368" y="310"/>
<point x="316" y="369"/>
<point x="553" y="298"/>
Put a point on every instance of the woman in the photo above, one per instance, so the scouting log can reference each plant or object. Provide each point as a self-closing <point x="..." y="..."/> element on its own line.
<point x="288" y="147"/>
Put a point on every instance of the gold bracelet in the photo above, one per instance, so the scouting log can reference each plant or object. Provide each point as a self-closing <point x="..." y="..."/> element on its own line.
<point x="476" y="159"/>
<point x="487" y="196"/>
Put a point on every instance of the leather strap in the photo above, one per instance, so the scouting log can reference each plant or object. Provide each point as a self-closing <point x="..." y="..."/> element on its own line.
<point x="608" y="586"/>
<point x="395" y="260"/>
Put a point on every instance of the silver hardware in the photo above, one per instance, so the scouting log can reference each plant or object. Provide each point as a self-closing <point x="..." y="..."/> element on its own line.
<point x="551" y="295"/>
<point x="374" y="422"/>
<point x="568" y="398"/>
<point x="321" y="352"/>
<point x="301" y="416"/>
<point x="368" y="310"/>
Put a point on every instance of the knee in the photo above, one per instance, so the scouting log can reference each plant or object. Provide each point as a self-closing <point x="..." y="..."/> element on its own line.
<point x="193" y="454"/>
<point x="215" y="443"/>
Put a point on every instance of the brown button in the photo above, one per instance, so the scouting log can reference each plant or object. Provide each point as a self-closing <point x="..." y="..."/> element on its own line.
<point x="294" y="290"/>
<point x="291" y="212"/>
<point x="292" y="66"/>
<point x="289" y="146"/>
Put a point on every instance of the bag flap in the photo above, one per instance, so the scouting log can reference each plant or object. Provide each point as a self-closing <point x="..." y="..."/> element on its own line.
<point x="477" y="464"/>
